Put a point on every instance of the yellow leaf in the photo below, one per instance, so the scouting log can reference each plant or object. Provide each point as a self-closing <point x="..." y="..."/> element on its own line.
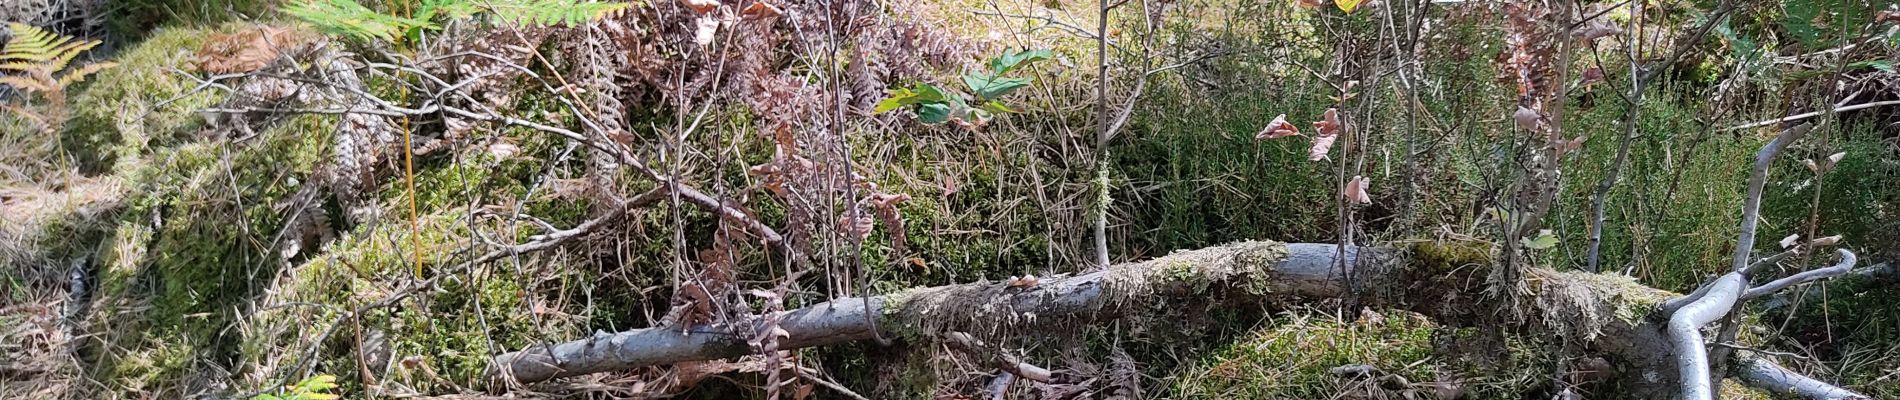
<point x="1347" y="5"/>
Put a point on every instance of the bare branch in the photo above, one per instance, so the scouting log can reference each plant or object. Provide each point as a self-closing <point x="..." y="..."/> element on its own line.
<point x="1806" y="115"/>
<point x="1846" y="264"/>
<point x="1008" y="363"/>
<point x="1761" y="373"/>
<point x="1685" y="334"/>
<point x="1751" y="205"/>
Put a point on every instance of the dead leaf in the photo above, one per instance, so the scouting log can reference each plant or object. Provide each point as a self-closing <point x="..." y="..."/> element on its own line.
<point x="1597" y="31"/>
<point x="1023" y="282"/>
<point x="1592" y="76"/>
<point x="1322" y="145"/>
<point x="1347" y="5"/>
<point x="701" y="6"/>
<point x="1326" y="130"/>
<point x="919" y="264"/>
<point x="1312" y="3"/>
<point x="244" y="51"/>
<point x="1279" y="128"/>
<point x="760" y="9"/>
<point x="859" y="228"/>
<point x="883" y="200"/>
<point x="1823" y="168"/>
<point x="1355" y="190"/>
<point x="1526" y="118"/>
<point x="503" y="150"/>
<point x="802" y="391"/>
<point x="1567" y="146"/>
<point x="1328" y="125"/>
<point x="708" y="27"/>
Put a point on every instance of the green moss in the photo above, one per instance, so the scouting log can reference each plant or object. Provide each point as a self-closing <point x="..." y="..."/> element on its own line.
<point x="137" y="19"/>
<point x="1440" y="257"/>
<point x="1290" y="359"/>
<point x="141" y="100"/>
<point x="180" y="284"/>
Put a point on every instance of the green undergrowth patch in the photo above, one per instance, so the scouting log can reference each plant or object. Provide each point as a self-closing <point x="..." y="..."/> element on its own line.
<point x="180" y="262"/>
<point x="135" y="20"/>
<point x="174" y="288"/>
<point x="1850" y="326"/>
<point x="1672" y="217"/>
<point x="142" y="103"/>
<point x="1289" y="358"/>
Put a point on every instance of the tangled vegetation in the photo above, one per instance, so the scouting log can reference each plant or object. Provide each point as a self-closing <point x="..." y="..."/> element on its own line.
<point x="314" y="198"/>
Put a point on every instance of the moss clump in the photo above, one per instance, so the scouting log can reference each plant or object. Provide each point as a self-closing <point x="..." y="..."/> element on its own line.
<point x="141" y="100"/>
<point x="1290" y="359"/>
<point x="1439" y="257"/>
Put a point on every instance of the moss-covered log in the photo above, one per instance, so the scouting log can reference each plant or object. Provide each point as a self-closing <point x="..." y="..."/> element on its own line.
<point x="1607" y="314"/>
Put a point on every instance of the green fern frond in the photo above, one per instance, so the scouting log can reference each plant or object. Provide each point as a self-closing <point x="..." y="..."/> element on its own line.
<point x="552" y="12"/>
<point x="346" y="17"/>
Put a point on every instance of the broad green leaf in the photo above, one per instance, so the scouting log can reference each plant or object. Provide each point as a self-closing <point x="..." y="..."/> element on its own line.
<point x="886" y="105"/>
<point x="989" y="87"/>
<point x="933" y="113"/>
<point x="1010" y="61"/>
<point x="1347" y="5"/>
<point x="1544" y="240"/>
<point x="900" y="97"/>
<point x="980" y="115"/>
<point x="1798" y="20"/>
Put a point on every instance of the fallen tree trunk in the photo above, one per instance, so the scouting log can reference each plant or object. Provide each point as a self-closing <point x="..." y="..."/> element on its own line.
<point x="1607" y="313"/>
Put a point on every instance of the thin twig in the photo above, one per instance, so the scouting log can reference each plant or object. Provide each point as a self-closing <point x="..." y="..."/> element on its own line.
<point x="1812" y="114"/>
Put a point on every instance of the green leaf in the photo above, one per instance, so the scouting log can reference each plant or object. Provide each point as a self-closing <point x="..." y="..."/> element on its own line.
<point x="1347" y="5"/>
<point x="998" y="107"/>
<point x="1798" y="20"/>
<point x="888" y="104"/>
<point x="1010" y="61"/>
<point x="990" y="87"/>
<point x="1879" y="64"/>
<point x="933" y="113"/>
<point x="319" y="383"/>
<point x="899" y="98"/>
<point x="1544" y="240"/>
<point x="923" y="93"/>
<point x="346" y="17"/>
